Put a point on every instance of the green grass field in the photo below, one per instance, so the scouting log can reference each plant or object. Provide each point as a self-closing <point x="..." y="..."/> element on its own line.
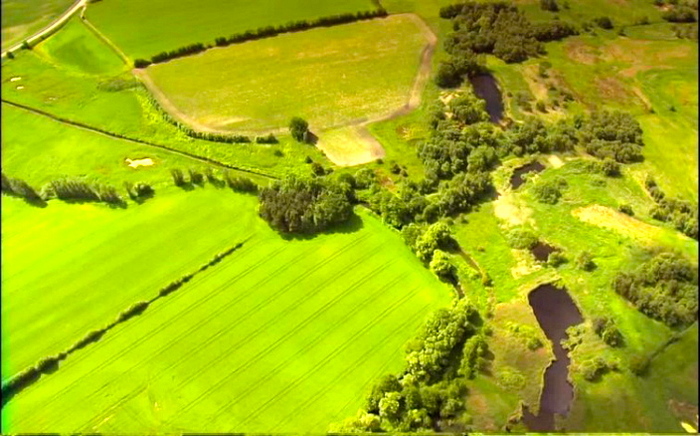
<point x="119" y="104"/>
<point x="21" y="18"/>
<point x="77" y="48"/>
<point x="55" y="150"/>
<point x="360" y="71"/>
<point x="143" y="29"/>
<point x="281" y="336"/>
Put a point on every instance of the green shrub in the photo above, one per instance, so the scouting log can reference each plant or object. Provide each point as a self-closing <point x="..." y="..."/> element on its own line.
<point x="521" y="238"/>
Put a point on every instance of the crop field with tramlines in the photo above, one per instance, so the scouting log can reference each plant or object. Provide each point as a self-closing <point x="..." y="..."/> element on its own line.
<point x="357" y="216"/>
<point x="281" y="335"/>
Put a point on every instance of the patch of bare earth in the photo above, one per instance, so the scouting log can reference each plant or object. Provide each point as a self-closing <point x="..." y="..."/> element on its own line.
<point x="358" y="147"/>
<point x="581" y="52"/>
<point x="619" y="222"/>
<point x="135" y="163"/>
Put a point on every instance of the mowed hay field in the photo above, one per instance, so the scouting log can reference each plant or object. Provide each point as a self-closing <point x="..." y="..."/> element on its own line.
<point x="21" y="18"/>
<point x="283" y="335"/>
<point x="329" y="76"/>
<point x="145" y="28"/>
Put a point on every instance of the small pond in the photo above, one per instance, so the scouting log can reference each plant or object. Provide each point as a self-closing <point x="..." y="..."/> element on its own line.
<point x="485" y="87"/>
<point x="541" y="251"/>
<point x="517" y="178"/>
<point x="555" y="312"/>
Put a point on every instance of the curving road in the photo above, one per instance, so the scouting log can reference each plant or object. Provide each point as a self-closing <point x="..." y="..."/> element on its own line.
<point x="58" y="22"/>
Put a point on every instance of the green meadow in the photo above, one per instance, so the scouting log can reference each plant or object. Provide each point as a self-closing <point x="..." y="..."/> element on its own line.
<point x="22" y="18"/>
<point x="361" y="71"/>
<point x="280" y="336"/>
<point x="143" y="29"/>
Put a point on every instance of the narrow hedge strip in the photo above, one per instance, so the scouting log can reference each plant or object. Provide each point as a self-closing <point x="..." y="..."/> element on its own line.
<point x="48" y="365"/>
<point x="207" y="136"/>
<point x="262" y="32"/>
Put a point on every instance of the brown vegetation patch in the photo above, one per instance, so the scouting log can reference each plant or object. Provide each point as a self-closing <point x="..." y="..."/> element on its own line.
<point x="581" y="52"/>
<point x="611" y="88"/>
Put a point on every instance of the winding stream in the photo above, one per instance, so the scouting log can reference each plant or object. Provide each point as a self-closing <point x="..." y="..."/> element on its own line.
<point x="555" y="312"/>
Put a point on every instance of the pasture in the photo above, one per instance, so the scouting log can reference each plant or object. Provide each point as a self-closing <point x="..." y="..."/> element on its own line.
<point x="330" y="76"/>
<point x="283" y="335"/>
<point x="21" y="18"/>
<point x="119" y="104"/>
<point x="55" y="150"/>
<point x="76" y="47"/>
<point x="143" y="29"/>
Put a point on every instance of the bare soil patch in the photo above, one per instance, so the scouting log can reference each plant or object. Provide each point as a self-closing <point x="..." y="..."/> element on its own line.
<point x="135" y="163"/>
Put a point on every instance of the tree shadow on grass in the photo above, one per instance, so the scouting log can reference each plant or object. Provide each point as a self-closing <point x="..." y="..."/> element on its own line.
<point x="352" y="225"/>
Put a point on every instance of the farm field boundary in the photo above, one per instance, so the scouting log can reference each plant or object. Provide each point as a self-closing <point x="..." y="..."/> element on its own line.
<point x="50" y="364"/>
<point x="138" y="141"/>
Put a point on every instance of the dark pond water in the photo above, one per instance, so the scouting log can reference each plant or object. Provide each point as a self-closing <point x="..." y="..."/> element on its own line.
<point x="555" y="312"/>
<point x="485" y="87"/>
<point x="541" y="251"/>
<point x="517" y="178"/>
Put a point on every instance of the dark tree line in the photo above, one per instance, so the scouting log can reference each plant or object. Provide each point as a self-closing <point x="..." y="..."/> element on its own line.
<point x="297" y="205"/>
<point x="683" y="215"/>
<point x="664" y="288"/>
<point x="497" y="28"/>
<point x="431" y="391"/>
<point x="19" y="188"/>
<point x="262" y="32"/>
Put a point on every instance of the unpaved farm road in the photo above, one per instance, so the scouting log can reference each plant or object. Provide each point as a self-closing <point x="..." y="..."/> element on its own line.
<point x="58" y="22"/>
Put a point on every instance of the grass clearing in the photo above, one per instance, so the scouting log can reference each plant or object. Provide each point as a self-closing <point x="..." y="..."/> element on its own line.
<point x="171" y="25"/>
<point x="76" y="47"/>
<point x="281" y="336"/>
<point x="361" y="71"/>
<point x="350" y="146"/>
<point x="22" y="18"/>
<point x="55" y="150"/>
<point x="120" y="104"/>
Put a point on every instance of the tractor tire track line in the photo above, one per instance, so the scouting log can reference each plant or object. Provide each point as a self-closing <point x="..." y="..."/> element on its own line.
<point x="349" y="368"/>
<point x="202" y="301"/>
<point x="331" y="356"/>
<point x="323" y="334"/>
<point x="156" y="310"/>
<point x="257" y="332"/>
<point x="211" y="339"/>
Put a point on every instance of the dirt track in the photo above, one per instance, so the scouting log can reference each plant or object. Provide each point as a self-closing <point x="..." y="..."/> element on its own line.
<point x="414" y="100"/>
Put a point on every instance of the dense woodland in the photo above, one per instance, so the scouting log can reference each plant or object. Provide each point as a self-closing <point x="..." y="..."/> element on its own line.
<point x="497" y="28"/>
<point x="664" y="288"/>
<point x="430" y="393"/>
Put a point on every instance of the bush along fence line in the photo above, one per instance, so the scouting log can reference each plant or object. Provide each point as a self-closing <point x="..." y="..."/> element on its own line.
<point x="138" y="141"/>
<point x="50" y="364"/>
<point x="207" y="136"/>
<point x="75" y="191"/>
<point x="263" y="32"/>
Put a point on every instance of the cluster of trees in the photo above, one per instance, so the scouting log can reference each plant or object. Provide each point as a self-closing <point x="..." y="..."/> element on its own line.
<point x="139" y="191"/>
<point x="685" y="31"/>
<point x="611" y="134"/>
<point x="664" y="288"/>
<point x="549" y="191"/>
<point x="431" y="391"/>
<point x="683" y="215"/>
<point x="685" y="11"/>
<point x="593" y="369"/>
<point x="497" y="28"/>
<point x="80" y="190"/>
<point x="607" y="330"/>
<point x="262" y="32"/>
<point x="526" y="333"/>
<point x="296" y="26"/>
<point x="299" y="129"/>
<point x="430" y="243"/>
<point x="19" y="188"/>
<point x="298" y="205"/>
